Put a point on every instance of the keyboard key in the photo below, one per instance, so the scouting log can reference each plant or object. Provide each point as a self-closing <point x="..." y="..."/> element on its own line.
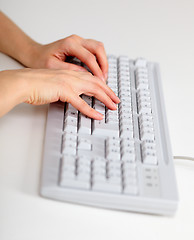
<point x="68" y="167"/>
<point x="99" y="106"/>
<point x="87" y="99"/>
<point x="141" y="62"/>
<point x="112" y="116"/>
<point x="84" y="124"/>
<point x="149" y="156"/>
<point x="141" y="70"/>
<point x="84" y="143"/>
<point x="101" y="128"/>
<point x="69" y="136"/>
<point x="147" y="133"/>
<point x="126" y="131"/>
<point x="128" y="154"/>
<point x="99" y="162"/>
<point x="123" y="58"/>
<point x="83" y="173"/>
<point x="114" y="169"/>
<point x="69" y="146"/>
<point x="113" y="153"/>
<point x="70" y="125"/>
<point x="69" y="150"/>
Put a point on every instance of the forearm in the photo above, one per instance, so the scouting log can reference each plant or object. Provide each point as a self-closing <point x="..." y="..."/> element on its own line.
<point x="15" y="43"/>
<point x="13" y="90"/>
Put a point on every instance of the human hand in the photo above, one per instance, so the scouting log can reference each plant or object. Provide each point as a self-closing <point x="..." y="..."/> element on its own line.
<point x="15" y="43"/>
<point x="54" y="55"/>
<point x="41" y="86"/>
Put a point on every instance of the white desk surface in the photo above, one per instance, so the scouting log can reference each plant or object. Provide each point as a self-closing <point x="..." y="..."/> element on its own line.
<point x="161" y="31"/>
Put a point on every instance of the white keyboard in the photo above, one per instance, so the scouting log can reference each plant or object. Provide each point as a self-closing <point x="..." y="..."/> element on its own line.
<point x="122" y="162"/>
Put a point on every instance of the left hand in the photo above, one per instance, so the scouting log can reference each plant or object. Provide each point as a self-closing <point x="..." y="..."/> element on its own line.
<point x="90" y="52"/>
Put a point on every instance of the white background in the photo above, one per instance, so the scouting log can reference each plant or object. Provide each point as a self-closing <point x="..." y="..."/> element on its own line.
<point x="161" y="31"/>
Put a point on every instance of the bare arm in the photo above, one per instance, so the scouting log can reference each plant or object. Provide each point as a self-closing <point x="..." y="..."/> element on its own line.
<point x="15" y="43"/>
<point x="61" y="81"/>
<point x="41" y="86"/>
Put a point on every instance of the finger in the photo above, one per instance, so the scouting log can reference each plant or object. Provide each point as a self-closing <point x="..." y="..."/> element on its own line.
<point x="98" y="93"/>
<point x="84" y="108"/>
<point x="58" y="64"/>
<point x="103" y="86"/>
<point x="86" y="76"/>
<point x="88" y="58"/>
<point x="108" y="91"/>
<point x="97" y="48"/>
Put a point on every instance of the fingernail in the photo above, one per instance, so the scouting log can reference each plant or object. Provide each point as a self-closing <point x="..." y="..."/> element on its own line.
<point x="118" y="99"/>
<point x="114" y="105"/>
<point x="100" y="115"/>
<point x="103" y="79"/>
<point x="106" y="76"/>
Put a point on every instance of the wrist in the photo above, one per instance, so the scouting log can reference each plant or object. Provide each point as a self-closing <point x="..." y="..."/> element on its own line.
<point x="13" y="90"/>
<point x="31" y="54"/>
<point x="14" y="85"/>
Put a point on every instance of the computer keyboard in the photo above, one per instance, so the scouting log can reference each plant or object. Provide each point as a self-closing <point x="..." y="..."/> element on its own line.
<point x="122" y="162"/>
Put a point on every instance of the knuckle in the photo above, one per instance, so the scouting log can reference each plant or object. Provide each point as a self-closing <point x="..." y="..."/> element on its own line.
<point x="73" y="36"/>
<point x="68" y="40"/>
<point x="87" y="110"/>
<point x="98" y="84"/>
<point x="83" y="105"/>
<point x="96" y="88"/>
<point x="90" y="57"/>
<point x="72" y="39"/>
<point x="98" y="81"/>
<point x="90" y="110"/>
<point x="99" y="45"/>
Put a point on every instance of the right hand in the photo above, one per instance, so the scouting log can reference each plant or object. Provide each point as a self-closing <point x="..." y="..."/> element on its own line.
<point x="45" y="86"/>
